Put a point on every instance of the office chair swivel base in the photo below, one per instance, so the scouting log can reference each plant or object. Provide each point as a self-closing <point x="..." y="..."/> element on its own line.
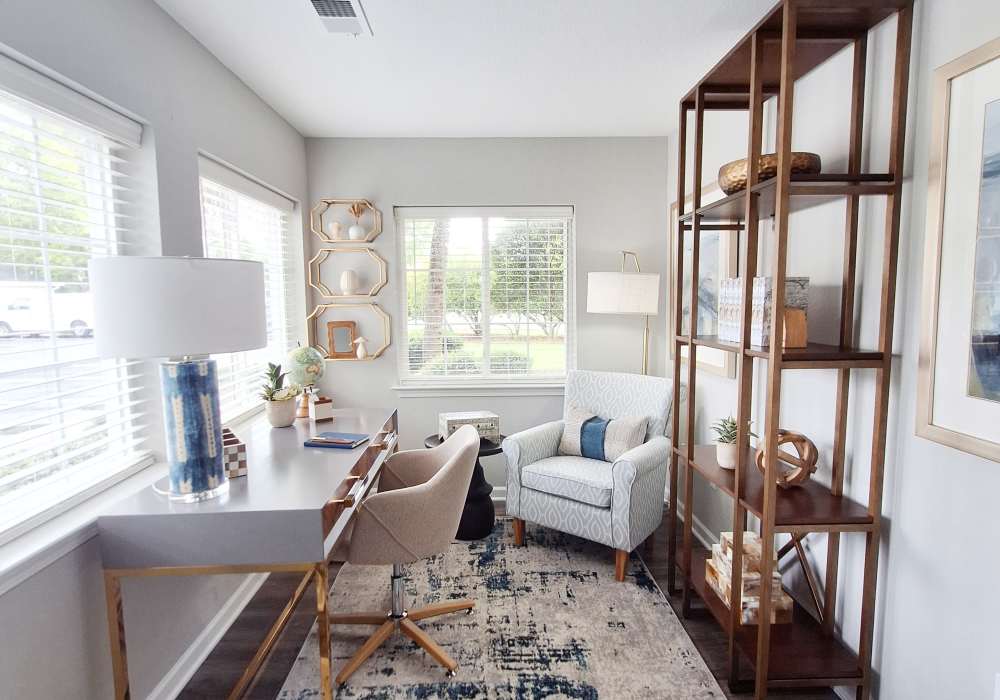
<point x="399" y="620"/>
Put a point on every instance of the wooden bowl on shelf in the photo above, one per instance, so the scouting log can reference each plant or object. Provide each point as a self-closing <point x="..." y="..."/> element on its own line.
<point x="733" y="176"/>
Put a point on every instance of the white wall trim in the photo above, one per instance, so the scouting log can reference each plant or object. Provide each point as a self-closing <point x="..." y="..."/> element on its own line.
<point x="171" y="685"/>
<point x="499" y="494"/>
<point x="702" y="532"/>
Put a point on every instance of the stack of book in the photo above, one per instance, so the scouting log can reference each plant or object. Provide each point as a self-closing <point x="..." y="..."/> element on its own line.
<point x="718" y="575"/>
<point x="730" y="290"/>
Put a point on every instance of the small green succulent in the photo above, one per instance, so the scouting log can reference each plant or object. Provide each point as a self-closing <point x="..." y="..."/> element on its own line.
<point x="726" y="429"/>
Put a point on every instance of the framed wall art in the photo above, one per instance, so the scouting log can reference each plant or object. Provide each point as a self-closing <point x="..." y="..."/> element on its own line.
<point x="718" y="260"/>
<point x="958" y="400"/>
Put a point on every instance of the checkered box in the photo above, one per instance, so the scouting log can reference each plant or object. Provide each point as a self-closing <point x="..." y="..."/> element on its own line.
<point x="234" y="454"/>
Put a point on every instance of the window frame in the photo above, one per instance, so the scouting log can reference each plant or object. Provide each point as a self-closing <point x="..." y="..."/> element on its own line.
<point x="407" y="381"/>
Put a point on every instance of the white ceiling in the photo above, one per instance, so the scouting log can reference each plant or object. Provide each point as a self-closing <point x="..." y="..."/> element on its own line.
<point x="474" y="67"/>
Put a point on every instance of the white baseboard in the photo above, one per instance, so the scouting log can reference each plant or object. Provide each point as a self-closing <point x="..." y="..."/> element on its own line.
<point x="499" y="494"/>
<point x="702" y="532"/>
<point x="171" y="685"/>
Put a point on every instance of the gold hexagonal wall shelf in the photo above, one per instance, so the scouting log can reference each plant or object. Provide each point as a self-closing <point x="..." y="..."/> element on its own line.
<point x="320" y="227"/>
<point x="316" y="272"/>
<point x="316" y="339"/>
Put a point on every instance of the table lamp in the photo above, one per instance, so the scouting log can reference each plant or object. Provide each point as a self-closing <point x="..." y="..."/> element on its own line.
<point x="626" y="293"/>
<point x="182" y="309"/>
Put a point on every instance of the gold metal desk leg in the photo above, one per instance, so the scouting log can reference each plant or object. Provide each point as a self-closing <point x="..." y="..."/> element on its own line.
<point x="323" y="626"/>
<point x="116" y="634"/>
<point x="267" y="646"/>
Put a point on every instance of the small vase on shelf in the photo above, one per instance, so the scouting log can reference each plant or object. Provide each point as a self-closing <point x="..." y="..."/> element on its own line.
<point x="348" y="282"/>
<point x="356" y="232"/>
<point x="335" y="230"/>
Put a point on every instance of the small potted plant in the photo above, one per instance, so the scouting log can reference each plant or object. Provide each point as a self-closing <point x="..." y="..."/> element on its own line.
<point x="725" y="446"/>
<point x="279" y="400"/>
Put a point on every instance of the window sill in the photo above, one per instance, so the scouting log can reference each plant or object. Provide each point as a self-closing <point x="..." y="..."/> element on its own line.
<point x="431" y="390"/>
<point x="28" y="553"/>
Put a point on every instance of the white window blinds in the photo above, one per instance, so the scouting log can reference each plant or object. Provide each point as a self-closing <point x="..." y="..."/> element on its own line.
<point x="244" y="220"/>
<point x="487" y="293"/>
<point x="69" y="422"/>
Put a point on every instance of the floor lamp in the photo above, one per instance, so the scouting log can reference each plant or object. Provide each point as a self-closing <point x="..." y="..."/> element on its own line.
<point x="626" y="293"/>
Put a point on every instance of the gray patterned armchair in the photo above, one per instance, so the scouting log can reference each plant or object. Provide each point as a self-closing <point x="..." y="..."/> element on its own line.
<point x="617" y="503"/>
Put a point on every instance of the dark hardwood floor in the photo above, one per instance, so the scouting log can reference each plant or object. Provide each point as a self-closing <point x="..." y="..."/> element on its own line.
<point x="220" y="671"/>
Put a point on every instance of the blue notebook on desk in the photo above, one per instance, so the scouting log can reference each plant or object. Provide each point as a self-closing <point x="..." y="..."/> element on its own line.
<point x="343" y="441"/>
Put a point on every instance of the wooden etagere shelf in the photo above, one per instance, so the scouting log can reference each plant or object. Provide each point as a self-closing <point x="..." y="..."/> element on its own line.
<point x="795" y="37"/>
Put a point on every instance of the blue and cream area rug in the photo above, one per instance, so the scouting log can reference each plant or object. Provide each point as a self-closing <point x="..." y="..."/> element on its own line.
<point x="550" y="622"/>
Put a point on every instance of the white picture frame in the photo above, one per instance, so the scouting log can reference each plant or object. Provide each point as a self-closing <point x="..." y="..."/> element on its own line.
<point x="954" y="404"/>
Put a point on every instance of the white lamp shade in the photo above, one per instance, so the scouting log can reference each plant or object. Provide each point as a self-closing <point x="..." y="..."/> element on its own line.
<point x="623" y="292"/>
<point x="171" y="307"/>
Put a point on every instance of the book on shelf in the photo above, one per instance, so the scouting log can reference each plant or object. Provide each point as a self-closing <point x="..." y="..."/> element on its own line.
<point x="730" y="292"/>
<point x="718" y="575"/>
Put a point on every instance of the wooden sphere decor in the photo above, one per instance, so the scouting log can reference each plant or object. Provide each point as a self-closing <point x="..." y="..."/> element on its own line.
<point x="733" y="176"/>
<point x="792" y="470"/>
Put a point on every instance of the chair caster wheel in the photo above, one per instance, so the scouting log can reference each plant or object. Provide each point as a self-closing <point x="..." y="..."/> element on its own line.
<point x="450" y="673"/>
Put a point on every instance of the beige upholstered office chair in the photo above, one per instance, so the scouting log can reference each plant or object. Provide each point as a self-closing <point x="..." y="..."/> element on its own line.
<point x="414" y="515"/>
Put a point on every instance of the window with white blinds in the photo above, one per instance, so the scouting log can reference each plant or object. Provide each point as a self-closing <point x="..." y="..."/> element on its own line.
<point x="69" y="422"/>
<point x="488" y="293"/>
<point x="241" y="219"/>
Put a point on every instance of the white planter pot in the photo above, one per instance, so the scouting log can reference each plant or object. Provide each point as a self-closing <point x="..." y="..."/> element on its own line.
<point x="725" y="455"/>
<point x="356" y="232"/>
<point x="280" y="414"/>
<point x="348" y="282"/>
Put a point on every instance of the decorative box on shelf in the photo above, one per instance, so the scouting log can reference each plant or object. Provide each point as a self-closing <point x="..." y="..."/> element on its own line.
<point x="718" y="575"/>
<point x="321" y="409"/>
<point x="234" y="454"/>
<point x="487" y="423"/>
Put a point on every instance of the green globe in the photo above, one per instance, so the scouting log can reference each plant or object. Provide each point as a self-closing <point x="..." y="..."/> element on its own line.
<point x="304" y="365"/>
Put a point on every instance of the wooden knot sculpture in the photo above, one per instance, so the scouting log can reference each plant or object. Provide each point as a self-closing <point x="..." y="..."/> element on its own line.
<point x="792" y="470"/>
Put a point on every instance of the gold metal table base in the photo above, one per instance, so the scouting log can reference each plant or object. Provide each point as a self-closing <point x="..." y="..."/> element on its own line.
<point x="317" y="572"/>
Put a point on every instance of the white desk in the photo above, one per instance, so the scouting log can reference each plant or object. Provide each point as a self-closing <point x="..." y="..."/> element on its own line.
<point x="285" y="515"/>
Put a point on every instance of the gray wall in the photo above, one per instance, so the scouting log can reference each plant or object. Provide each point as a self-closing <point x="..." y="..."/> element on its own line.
<point x="617" y="186"/>
<point x="934" y="624"/>
<point x="132" y="53"/>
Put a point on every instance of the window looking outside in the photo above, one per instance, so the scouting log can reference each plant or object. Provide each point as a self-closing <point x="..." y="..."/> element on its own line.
<point x="238" y="225"/>
<point x="69" y="421"/>
<point x="487" y="293"/>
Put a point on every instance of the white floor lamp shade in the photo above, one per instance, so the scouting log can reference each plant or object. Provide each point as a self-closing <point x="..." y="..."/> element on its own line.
<point x="179" y="308"/>
<point x="625" y="293"/>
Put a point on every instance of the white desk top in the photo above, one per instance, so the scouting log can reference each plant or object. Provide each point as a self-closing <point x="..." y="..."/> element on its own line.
<point x="272" y="515"/>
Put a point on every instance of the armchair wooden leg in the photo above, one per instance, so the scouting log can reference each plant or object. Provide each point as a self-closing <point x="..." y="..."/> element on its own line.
<point x="518" y="532"/>
<point x="621" y="559"/>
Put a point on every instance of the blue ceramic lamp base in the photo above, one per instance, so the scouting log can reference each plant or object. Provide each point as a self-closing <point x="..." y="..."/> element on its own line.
<point x="193" y="430"/>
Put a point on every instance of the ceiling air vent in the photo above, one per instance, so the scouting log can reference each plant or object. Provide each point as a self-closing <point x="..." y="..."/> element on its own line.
<point x="343" y="16"/>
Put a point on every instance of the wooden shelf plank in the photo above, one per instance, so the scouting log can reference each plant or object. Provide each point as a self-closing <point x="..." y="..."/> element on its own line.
<point x="824" y="28"/>
<point x="807" y="191"/>
<point x="800" y="652"/>
<point x="798" y="508"/>
<point x="814" y="355"/>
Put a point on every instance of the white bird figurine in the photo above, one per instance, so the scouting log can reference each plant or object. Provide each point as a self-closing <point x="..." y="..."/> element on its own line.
<point x="362" y="344"/>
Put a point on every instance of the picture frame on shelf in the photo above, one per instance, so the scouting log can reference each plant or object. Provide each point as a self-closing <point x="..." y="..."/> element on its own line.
<point x="958" y="391"/>
<point x="719" y="259"/>
<point x="340" y="337"/>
